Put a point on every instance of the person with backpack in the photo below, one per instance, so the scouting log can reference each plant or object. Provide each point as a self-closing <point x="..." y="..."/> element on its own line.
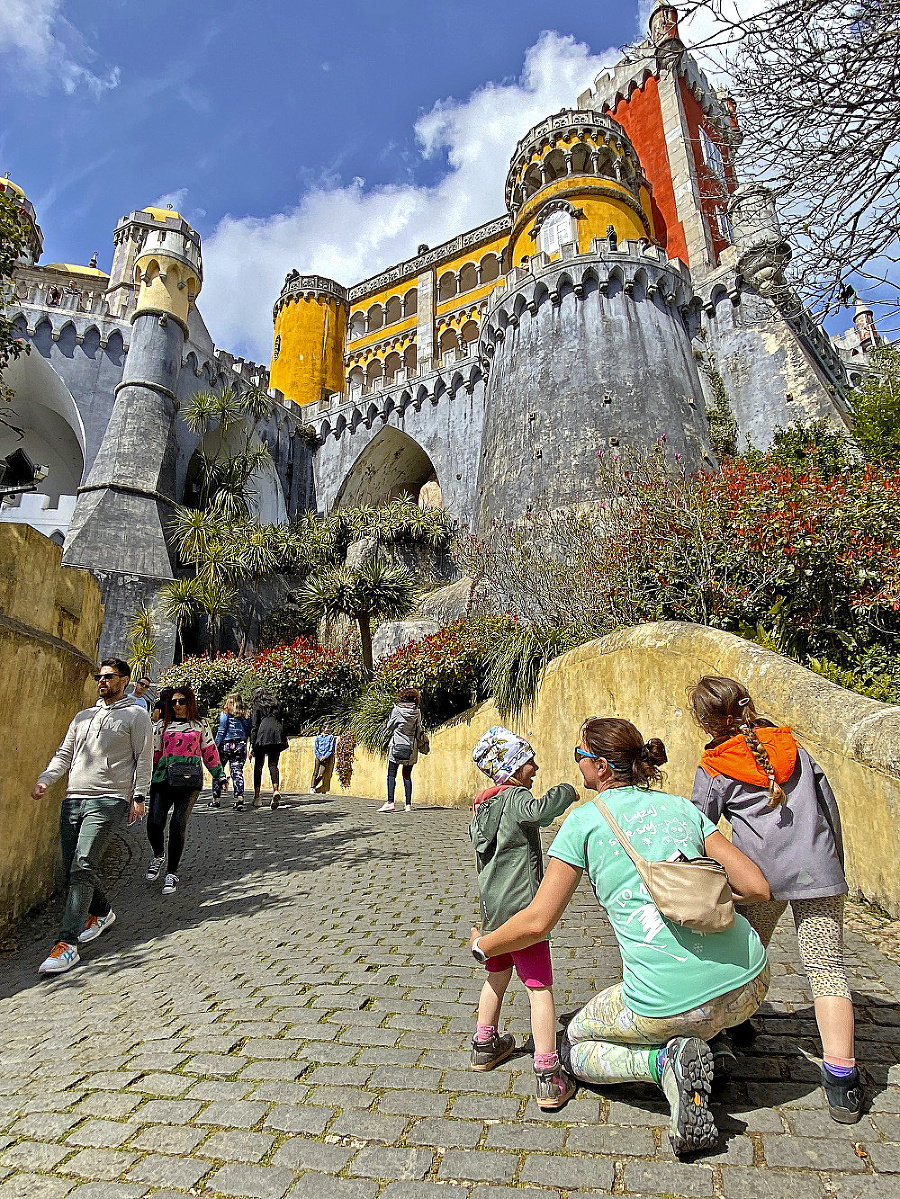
<point x="407" y="741"/>
<point x="784" y="816"/>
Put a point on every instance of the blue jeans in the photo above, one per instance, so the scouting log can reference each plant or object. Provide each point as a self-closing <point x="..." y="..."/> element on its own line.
<point x="86" y="827"/>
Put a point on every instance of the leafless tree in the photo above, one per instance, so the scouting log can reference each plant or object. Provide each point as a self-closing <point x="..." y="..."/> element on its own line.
<point x="817" y="84"/>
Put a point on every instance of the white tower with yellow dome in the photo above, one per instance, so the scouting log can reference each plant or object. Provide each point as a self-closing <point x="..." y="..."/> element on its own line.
<point x="118" y="530"/>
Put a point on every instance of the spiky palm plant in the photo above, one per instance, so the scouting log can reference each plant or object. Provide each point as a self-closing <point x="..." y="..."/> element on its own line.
<point x="376" y="592"/>
<point x="180" y="602"/>
<point x="142" y="640"/>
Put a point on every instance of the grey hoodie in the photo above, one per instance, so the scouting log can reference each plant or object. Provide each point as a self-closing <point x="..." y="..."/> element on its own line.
<point x="407" y="733"/>
<point x="108" y="751"/>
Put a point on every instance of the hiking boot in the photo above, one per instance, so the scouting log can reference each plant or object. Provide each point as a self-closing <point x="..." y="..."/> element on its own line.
<point x="488" y="1054"/>
<point x="724" y="1060"/>
<point x="686" y="1083"/>
<point x="95" y="926"/>
<point x="62" y="957"/>
<point x="153" y="869"/>
<point x="844" y="1095"/>
<point x="553" y="1088"/>
<point x="170" y="886"/>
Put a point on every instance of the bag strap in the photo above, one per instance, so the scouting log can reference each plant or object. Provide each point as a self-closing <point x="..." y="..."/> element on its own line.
<point x="622" y="839"/>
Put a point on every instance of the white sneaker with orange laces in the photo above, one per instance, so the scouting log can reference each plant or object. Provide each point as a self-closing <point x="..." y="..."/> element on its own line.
<point x="95" y="926"/>
<point x="63" y="957"/>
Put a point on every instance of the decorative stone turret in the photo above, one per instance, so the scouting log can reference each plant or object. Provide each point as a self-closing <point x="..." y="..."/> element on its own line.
<point x="311" y="316"/>
<point x="580" y="168"/>
<point x="34" y="238"/>
<point x="763" y="252"/>
<point x="864" y="320"/>
<point x="118" y="529"/>
<point x="664" y="34"/>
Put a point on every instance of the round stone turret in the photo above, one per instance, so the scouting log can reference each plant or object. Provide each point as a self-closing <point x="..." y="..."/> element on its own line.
<point x="311" y="316"/>
<point x="34" y="238"/>
<point x="168" y="269"/>
<point x="570" y="179"/>
<point x="763" y="252"/>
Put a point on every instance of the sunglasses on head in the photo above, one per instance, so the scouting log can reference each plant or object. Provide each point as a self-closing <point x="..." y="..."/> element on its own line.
<point x="105" y="678"/>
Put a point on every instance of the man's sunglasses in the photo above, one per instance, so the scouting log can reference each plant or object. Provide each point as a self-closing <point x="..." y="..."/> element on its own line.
<point x="105" y="678"/>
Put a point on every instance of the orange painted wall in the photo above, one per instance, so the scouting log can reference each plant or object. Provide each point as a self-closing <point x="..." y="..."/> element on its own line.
<point x="641" y="118"/>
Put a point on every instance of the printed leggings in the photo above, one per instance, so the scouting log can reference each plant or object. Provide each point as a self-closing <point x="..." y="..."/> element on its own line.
<point x="820" y="933"/>
<point x="608" y="1043"/>
<point x="233" y="755"/>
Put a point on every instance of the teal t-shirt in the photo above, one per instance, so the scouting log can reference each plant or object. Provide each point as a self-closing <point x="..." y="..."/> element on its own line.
<point x="667" y="968"/>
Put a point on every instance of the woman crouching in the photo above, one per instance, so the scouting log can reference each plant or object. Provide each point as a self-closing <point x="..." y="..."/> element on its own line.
<point x="680" y="988"/>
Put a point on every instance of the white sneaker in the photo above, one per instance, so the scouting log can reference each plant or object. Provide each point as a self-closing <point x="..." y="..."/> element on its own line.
<point x="153" y="869"/>
<point x="387" y="807"/>
<point x="170" y="886"/>
<point x="62" y="958"/>
<point x="95" y="926"/>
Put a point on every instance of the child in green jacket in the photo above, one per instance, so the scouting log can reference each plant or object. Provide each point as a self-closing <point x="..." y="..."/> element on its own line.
<point x="505" y="832"/>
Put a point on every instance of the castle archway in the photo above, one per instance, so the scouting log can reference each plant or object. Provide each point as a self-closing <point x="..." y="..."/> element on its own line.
<point x="391" y="464"/>
<point x="265" y="493"/>
<point x="44" y="421"/>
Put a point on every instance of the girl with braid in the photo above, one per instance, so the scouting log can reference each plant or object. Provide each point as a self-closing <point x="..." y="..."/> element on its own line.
<point x="784" y="817"/>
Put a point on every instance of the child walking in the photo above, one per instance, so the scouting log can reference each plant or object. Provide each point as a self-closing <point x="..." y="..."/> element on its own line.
<point x="784" y="817"/>
<point x="505" y="832"/>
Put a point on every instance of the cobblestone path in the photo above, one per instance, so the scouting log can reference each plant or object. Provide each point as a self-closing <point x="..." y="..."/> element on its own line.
<point x="296" y="1021"/>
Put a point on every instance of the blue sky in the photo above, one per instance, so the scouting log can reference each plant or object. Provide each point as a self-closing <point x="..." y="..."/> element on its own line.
<point x="309" y="135"/>
<point x="326" y="137"/>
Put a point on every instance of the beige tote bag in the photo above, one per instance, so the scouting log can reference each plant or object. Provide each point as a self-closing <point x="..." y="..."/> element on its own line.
<point x="694" y="893"/>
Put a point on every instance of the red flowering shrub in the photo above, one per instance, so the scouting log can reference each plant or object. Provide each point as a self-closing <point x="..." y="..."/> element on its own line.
<point x="309" y="680"/>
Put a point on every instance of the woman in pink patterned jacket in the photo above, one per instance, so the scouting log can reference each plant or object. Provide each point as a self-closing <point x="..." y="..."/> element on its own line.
<point x="182" y="745"/>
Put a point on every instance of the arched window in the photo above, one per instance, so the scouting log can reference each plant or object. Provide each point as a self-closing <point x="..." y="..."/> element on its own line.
<point x="468" y="277"/>
<point x="411" y="303"/>
<point x="357" y="325"/>
<point x="393" y="310"/>
<point x="447" y="286"/>
<point x="557" y="229"/>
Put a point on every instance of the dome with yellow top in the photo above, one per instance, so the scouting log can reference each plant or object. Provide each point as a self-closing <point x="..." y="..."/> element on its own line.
<point x="35" y="238"/>
<point x="90" y="272"/>
<point x="164" y="214"/>
<point x="7" y="185"/>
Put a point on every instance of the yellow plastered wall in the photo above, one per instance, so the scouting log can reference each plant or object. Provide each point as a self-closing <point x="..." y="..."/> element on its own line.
<point x="643" y="674"/>
<point x="159" y="278"/>
<point x="50" y="621"/>
<point x="600" y="210"/>
<point x="313" y="330"/>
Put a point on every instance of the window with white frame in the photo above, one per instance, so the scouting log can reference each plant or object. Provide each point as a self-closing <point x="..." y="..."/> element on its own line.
<point x="557" y="229"/>
<point x="713" y="156"/>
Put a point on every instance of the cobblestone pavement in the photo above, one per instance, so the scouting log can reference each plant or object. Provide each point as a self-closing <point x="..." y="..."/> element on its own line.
<point x="295" y="1021"/>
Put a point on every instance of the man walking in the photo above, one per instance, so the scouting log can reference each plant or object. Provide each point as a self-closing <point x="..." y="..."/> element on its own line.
<point x="139" y="693"/>
<point x="108" y="753"/>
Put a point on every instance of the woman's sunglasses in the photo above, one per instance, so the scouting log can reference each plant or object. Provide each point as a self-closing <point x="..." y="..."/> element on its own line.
<point x="583" y="753"/>
<point x="179" y="703"/>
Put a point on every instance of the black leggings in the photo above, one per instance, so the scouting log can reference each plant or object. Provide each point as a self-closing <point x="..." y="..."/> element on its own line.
<point x="259" y="756"/>
<point x="392" y="781"/>
<point x="179" y="801"/>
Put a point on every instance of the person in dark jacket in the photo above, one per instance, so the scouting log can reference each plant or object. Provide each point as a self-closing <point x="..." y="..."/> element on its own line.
<point x="505" y="833"/>
<point x="784" y="817"/>
<point x="268" y="743"/>
<point x="407" y="740"/>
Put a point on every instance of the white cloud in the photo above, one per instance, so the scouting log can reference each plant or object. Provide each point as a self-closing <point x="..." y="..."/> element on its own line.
<point x="351" y="231"/>
<point x="48" y="49"/>
<point x="174" y="199"/>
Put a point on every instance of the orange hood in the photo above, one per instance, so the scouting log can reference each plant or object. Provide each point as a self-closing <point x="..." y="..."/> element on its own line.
<point x="734" y="759"/>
